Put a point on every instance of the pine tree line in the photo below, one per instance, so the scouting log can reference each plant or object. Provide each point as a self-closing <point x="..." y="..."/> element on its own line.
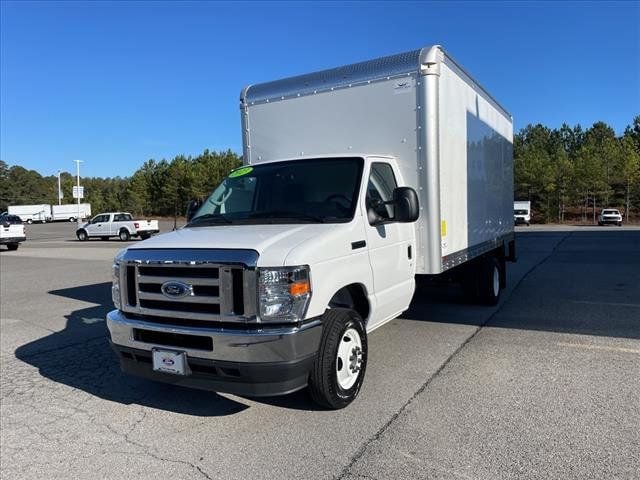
<point x="568" y="174"/>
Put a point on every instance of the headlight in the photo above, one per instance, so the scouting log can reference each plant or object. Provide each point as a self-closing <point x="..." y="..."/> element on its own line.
<point x="115" y="279"/>
<point x="283" y="293"/>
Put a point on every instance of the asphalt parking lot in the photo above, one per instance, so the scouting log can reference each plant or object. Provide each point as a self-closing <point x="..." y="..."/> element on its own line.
<point x="545" y="385"/>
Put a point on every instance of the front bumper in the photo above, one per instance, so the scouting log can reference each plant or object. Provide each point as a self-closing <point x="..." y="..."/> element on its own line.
<point x="613" y="221"/>
<point x="271" y="361"/>
<point x="5" y="240"/>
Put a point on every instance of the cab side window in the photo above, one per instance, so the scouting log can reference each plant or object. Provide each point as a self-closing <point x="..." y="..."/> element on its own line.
<point x="380" y="188"/>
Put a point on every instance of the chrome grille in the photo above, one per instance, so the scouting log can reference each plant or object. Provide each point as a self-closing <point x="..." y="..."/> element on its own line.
<point x="210" y="292"/>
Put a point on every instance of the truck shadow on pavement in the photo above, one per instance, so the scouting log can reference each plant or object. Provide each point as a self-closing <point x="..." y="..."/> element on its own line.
<point x="80" y="356"/>
<point x="588" y="284"/>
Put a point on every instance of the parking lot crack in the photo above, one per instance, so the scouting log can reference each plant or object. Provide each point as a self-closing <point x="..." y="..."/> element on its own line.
<point x="374" y="438"/>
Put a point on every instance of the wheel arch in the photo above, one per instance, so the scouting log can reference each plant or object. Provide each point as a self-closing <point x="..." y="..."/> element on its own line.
<point x="353" y="296"/>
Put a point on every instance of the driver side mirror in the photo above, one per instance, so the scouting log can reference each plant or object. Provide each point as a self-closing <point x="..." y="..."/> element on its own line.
<point x="406" y="205"/>
<point x="192" y="208"/>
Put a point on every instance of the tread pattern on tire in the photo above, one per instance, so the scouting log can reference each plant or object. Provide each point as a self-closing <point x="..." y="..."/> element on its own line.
<point x="322" y="388"/>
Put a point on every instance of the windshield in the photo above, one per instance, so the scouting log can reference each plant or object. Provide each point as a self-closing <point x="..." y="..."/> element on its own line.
<point x="301" y="191"/>
<point x="520" y="212"/>
<point x="610" y="212"/>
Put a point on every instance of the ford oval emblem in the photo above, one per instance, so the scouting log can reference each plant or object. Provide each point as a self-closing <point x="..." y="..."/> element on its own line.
<point x="175" y="289"/>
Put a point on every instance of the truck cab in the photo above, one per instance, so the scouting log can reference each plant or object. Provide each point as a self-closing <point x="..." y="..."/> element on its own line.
<point x="286" y="227"/>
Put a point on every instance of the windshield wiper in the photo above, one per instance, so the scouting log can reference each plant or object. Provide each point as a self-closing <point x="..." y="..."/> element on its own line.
<point x="210" y="218"/>
<point x="280" y="214"/>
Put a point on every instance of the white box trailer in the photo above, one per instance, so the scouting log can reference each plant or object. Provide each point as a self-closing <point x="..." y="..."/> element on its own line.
<point x="452" y="140"/>
<point x="69" y="212"/>
<point x="31" y="213"/>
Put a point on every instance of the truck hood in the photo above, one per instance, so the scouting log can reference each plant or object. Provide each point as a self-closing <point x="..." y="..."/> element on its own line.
<point x="272" y="242"/>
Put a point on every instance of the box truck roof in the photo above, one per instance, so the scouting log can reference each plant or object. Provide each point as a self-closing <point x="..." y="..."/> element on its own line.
<point x="347" y="76"/>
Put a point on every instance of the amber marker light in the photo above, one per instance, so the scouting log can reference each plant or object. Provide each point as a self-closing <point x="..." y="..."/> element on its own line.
<point x="299" y="288"/>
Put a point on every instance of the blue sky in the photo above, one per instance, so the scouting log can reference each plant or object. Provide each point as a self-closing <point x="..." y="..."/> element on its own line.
<point x="115" y="84"/>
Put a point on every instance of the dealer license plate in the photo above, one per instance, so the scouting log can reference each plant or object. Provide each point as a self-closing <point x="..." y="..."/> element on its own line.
<point x="169" y="361"/>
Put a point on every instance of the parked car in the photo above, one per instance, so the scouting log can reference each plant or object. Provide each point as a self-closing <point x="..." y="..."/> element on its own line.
<point x="11" y="231"/>
<point x="610" y="216"/>
<point x="117" y="224"/>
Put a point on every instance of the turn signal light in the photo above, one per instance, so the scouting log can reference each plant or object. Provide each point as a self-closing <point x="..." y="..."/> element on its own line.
<point x="299" y="288"/>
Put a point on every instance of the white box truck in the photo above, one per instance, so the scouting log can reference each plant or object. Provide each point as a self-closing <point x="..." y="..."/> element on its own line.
<point x="69" y="212"/>
<point x="522" y="212"/>
<point x="31" y="213"/>
<point x="358" y="181"/>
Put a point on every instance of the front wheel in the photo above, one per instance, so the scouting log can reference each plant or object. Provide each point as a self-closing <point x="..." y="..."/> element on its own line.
<point x="29" y="221"/>
<point x="72" y="219"/>
<point x="82" y="235"/>
<point x="339" y="368"/>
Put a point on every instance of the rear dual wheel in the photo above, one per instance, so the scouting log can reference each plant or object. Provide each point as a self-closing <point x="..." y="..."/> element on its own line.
<point x="482" y="281"/>
<point x="339" y="368"/>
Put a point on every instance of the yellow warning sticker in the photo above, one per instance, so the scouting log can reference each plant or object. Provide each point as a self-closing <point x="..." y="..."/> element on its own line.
<point x="443" y="228"/>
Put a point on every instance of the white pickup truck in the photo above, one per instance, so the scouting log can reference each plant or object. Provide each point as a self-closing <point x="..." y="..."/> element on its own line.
<point x="117" y="224"/>
<point x="358" y="182"/>
<point x="610" y="216"/>
<point x="11" y="231"/>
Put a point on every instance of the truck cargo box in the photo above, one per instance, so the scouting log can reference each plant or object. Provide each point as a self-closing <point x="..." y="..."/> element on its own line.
<point x="452" y="140"/>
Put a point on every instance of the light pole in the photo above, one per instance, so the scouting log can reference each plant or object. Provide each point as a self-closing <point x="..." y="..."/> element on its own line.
<point x="59" y="190"/>
<point x="78" y="162"/>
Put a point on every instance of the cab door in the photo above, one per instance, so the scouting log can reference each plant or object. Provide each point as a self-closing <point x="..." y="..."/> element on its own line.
<point x="99" y="226"/>
<point x="391" y="247"/>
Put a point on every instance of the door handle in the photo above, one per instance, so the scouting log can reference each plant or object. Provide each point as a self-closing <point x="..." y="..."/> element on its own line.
<point x="358" y="244"/>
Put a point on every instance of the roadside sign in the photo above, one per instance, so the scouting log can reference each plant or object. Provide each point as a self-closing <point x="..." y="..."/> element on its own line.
<point x="75" y="192"/>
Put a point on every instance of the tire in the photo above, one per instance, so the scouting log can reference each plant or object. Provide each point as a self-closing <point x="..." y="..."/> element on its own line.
<point x="600" y="224"/>
<point x="29" y="221"/>
<point x="481" y="281"/>
<point x="13" y="246"/>
<point x="124" y="235"/>
<point x="339" y="368"/>
<point x="144" y="236"/>
<point x="82" y="235"/>
<point x="72" y="219"/>
<point x="619" y="224"/>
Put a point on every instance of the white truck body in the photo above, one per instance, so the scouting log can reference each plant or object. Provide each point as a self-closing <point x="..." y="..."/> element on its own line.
<point x="415" y="125"/>
<point x="522" y="212"/>
<point x="117" y="224"/>
<point x="69" y="212"/>
<point x="11" y="232"/>
<point x="31" y="213"/>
